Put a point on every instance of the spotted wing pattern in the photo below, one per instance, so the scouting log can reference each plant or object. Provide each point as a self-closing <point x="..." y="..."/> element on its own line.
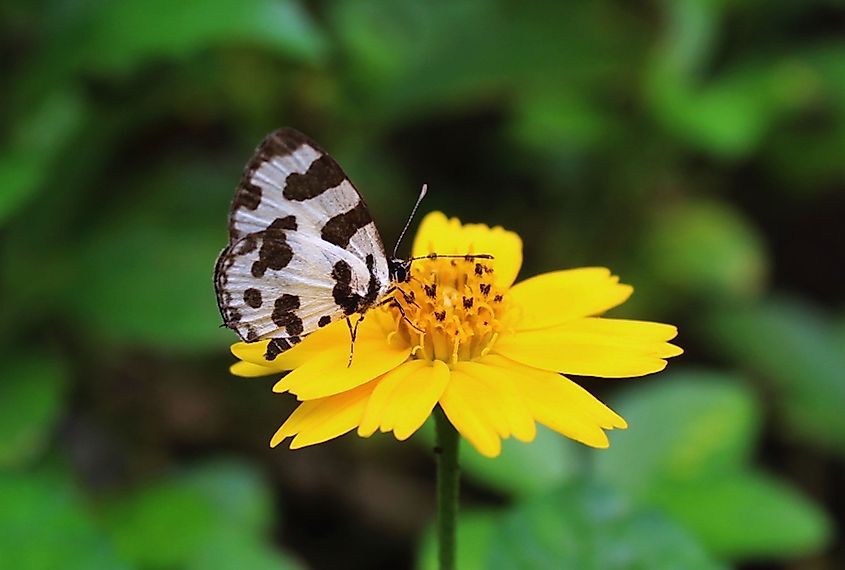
<point x="303" y="249"/>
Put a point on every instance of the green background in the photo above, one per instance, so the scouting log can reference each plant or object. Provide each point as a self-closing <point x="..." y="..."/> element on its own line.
<point x="696" y="147"/>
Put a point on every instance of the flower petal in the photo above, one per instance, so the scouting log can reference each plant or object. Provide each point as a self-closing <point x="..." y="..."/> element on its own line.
<point x="442" y="235"/>
<point x="379" y="410"/>
<point x="414" y="397"/>
<point x="504" y="396"/>
<point x="562" y="405"/>
<point x="316" y="421"/>
<point x="554" y="298"/>
<point x="609" y="348"/>
<point x="327" y="373"/>
<point x="462" y="401"/>
<point x="250" y="370"/>
<point x="253" y="352"/>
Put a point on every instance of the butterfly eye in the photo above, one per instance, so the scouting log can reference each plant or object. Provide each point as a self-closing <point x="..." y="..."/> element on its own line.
<point x="399" y="270"/>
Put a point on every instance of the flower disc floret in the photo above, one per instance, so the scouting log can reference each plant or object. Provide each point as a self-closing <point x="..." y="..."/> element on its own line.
<point x="453" y="309"/>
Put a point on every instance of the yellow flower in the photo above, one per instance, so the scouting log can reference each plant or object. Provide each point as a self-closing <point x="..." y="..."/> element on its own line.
<point x="492" y="354"/>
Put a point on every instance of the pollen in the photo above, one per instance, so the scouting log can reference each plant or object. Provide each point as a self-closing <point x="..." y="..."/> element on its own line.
<point x="450" y="310"/>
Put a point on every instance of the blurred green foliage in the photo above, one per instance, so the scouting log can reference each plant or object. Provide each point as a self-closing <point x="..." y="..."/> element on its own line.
<point x="209" y="517"/>
<point x="694" y="146"/>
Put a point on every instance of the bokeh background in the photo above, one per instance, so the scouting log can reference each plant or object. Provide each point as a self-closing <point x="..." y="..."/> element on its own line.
<point x="696" y="147"/>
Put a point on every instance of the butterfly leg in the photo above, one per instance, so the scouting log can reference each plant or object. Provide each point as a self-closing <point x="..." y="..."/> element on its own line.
<point x="409" y="297"/>
<point x="353" y="334"/>
<point x="399" y="306"/>
<point x="394" y="302"/>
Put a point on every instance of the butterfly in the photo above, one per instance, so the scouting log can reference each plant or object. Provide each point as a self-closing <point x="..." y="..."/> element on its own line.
<point x="303" y="249"/>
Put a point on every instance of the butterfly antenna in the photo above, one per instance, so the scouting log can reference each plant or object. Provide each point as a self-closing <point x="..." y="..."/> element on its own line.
<point x="410" y="218"/>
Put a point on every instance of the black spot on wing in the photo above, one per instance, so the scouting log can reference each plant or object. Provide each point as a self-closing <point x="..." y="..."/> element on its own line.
<point x="284" y="314"/>
<point x="340" y="229"/>
<point x="324" y="320"/>
<point x="323" y="174"/>
<point x="248" y="196"/>
<point x="275" y="253"/>
<point x="281" y="142"/>
<point x="342" y="291"/>
<point x="286" y="223"/>
<point x="247" y="245"/>
<point x="252" y="297"/>
<point x="277" y="346"/>
<point x="373" y="284"/>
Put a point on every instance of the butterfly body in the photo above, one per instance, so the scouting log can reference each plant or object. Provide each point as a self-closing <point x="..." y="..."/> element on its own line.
<point x="303" y="249"/>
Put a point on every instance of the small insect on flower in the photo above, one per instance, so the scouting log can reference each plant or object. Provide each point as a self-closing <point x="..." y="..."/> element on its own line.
<point x="456" y="333"/>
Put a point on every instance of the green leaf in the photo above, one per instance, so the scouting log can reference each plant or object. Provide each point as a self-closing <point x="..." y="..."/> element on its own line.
<point x="705" y="250"/>
<point x="160" y="296"/>
<point x="44" y="524"/>
<point x="240" y="495"/>
<point x="590" y="528"/>
<point x="173" y="522"/>
<point x="522" y="468"/>
<point x="728" y="115"/>
<point x="405" y="58"/>
<point x="143" y="275"/>
<point x="559" y="123"/>
<point x="683" y="426"/>
<point x="474" y="537"/>
<point x="31" y="396"/>
<point x="119" y="36"/>
<point x="794" y="347"/>
<point x="231" y="551"/>
<point x="821" y="66"/>
<point x="39" y="136"/>
<point x="747" y="516"/>
<point x="688" y="450"/>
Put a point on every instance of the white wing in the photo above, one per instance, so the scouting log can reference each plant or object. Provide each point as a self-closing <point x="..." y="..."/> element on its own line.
<point x="303" y="248"/>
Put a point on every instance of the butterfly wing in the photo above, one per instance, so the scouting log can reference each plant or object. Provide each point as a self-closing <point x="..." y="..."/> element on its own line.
<point x="303" y="249"/>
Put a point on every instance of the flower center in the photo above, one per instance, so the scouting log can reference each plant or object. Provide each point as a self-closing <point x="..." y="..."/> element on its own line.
<point x="451" y="308"/>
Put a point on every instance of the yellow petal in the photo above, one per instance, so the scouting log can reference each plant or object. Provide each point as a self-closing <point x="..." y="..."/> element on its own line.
<point x="442" y="235"/>
<point x="250" y="370"/>
<point x="504" y="396"/>
<point x="379" y="411"/>
<point x="463" y="403"/>
<point x="415" y="397"/>
<point x="553" y="298"/>
<point x="327" y="373"/>
<point x="316" y="421"/>
<point x="562" y="405"/>
<point x="253" y="353"/>
<point x="609" y="348"/>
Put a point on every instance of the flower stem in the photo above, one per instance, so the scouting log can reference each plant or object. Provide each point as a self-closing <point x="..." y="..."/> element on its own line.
<point x="448" y="475"/>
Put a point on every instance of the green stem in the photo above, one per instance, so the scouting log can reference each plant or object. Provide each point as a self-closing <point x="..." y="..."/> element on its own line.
<point x="448" y="475"/>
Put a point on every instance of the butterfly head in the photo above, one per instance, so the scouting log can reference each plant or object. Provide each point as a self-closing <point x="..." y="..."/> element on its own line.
<point x="400" y="269"/>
